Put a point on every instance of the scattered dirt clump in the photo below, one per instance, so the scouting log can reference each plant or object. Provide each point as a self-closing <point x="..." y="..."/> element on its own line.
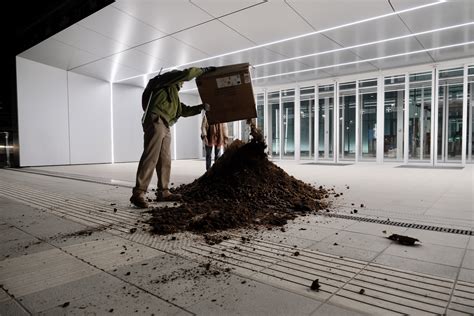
<point x="243" y="189"/>
<point x="83" y="232"/>
<point x="315" y="285"/>
<point x="404" y="240"/>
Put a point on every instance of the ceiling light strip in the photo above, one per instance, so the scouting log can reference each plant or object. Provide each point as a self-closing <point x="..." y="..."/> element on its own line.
<point x="313" y="33"/>
<point x="365" y="44"/>
<point x="292" y="38"/>
<point x="365" y="60"/>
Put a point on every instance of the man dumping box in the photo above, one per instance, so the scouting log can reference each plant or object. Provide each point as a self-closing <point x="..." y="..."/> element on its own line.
<point x="229" y="91"/>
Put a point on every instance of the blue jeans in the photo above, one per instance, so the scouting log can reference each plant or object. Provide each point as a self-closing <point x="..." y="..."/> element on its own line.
<point x="217" y="154"/>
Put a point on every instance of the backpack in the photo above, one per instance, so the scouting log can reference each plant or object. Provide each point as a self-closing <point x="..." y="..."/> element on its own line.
<point x="146" y="95"/>
<point x="156" y="83"/>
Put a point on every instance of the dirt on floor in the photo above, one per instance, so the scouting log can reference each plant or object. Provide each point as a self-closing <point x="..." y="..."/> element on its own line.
<point x="243" y="189"/>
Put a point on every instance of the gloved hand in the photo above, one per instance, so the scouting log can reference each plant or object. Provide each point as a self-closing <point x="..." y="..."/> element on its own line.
<point x="206" y="107"/>
<point x="208" y="69"/>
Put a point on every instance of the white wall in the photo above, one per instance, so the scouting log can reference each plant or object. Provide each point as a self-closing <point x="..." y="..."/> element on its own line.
<point x="42" y="114"/>
<point x="89" y="120"/>
<point x="128" y="132"/>
<point x="188" y="131"/>
<point x="65" y="118"/>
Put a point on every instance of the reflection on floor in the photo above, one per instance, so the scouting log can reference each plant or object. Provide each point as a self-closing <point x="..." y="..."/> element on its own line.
<point x="77" y="247"/>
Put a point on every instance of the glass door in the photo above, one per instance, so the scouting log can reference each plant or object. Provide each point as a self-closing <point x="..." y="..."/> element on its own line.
<point x="260" y="112"/>
<point x="326" y="122"/>
<point x="368" y="119"/>
<point x="288" y="123"/>
<point x="450" y="98"/>
<point x="306" y="122"/>
<point x="274" y="124"/>
<point x="393" y="117"/>
<point x="419" y="116"/>
<point x="347" y="121"/>
<point x="470" y="114"/>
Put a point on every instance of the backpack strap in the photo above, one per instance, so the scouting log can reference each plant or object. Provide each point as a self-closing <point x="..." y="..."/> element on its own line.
<point x="147" y="107"/>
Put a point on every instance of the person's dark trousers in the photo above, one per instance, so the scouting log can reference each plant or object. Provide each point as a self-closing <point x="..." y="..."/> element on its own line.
<point x="217" y="154"/>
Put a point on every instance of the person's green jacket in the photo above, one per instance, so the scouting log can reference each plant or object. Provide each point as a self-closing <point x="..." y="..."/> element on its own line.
<point x="165" y="100"/>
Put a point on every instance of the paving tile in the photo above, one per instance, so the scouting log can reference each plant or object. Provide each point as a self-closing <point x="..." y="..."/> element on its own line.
<point x="332" y="222"/>
<point x="81" y="236"/>
<point x="254" y="298"/>
<point x="75" y="290"/>
<point x="35" y="272"/>
<point x="333" y="310"/>
<point x="14" y="243"/>
<point x="429" y="253"/>
<point x="438" y="238"/>
<point x="464" y="214"/>
<point x="466" y="275"/>
<point x="417" y="266"/>
<point x="3" y="296"/>
<point x="365" y="241"/>
<point x="375" y="229"/>
<point x="121" y="301"/>
<point x="345" y="251"/>
<point x="308" y="231"/>
<point x="470" y="245"/>
<point x="111" y="252"/>
<point x="283" y="238"/>
<point x="468" y="261"/>
<point x="37" y="222"/>
<point x="12" y="308"/>
<point x="178" y="280"/>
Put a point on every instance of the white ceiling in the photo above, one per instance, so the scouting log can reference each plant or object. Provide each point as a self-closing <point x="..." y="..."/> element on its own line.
<point x="130" y="38"/>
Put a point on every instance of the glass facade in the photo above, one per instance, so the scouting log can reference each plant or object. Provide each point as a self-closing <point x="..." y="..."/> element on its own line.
<point x="307" y="122"/>
<point x="368" y="119"/>
<point x="230" y="131"/>
<point x="326" y="122"/>
<point x="450" y="95"/>
<point x="419" y="117"/>
<point x="260" y="113"/>
<point x="394" y="106"/>
<point x="288" y="120"/>
<point x="347" y="121"/>
<point x="274" y="123"/>
<point x="470" y="114"/>
<point x="244" y="131"/>
<point x="423" y="119"/>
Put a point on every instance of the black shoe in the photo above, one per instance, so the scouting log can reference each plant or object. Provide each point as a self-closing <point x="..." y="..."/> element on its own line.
<point x="139" y="201"/>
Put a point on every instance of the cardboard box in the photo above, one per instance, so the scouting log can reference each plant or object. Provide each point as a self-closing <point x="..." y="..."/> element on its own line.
<point x="229" y="91"/>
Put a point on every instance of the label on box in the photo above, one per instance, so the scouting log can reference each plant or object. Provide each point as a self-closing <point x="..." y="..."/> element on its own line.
<point x="229" y="81"/>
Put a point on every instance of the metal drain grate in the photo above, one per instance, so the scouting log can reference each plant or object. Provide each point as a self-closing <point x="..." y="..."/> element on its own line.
<point x="403" y="224"/>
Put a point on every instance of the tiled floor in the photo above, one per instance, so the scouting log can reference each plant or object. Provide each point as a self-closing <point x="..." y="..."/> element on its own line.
<point x="46" y="269"/>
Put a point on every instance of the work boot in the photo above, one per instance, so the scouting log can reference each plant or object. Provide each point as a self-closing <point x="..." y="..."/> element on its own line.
<point x="139" y="200"/>
<point x="167" y="196"/>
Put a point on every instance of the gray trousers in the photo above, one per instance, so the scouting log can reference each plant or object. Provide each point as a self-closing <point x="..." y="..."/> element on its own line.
<point x="156" y="154"/>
